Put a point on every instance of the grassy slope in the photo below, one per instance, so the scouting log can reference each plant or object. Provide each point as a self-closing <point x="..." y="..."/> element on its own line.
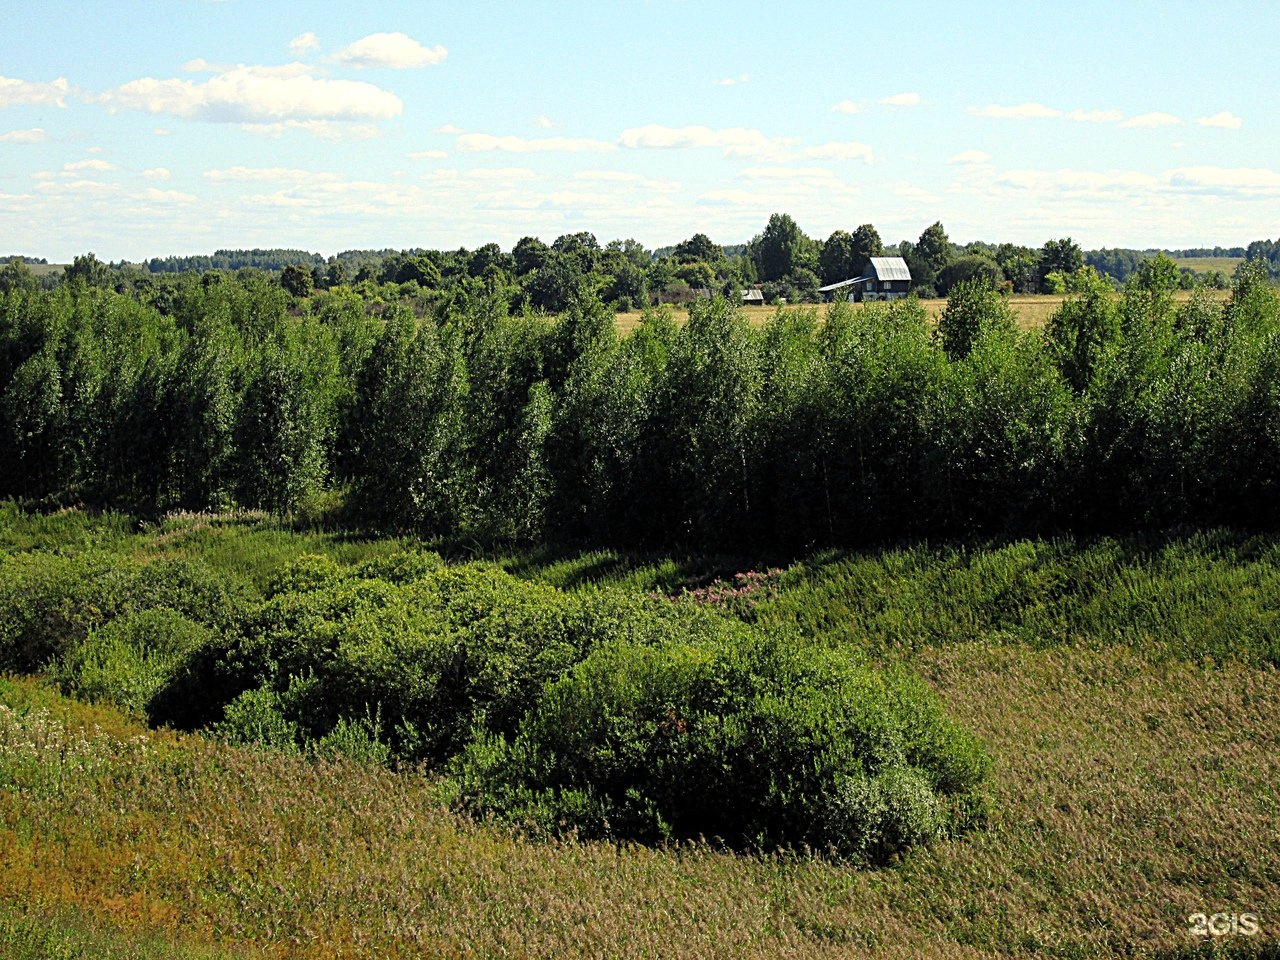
<point x="1134" y="785"/>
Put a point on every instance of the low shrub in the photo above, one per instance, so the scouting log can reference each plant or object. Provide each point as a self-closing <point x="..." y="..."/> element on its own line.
<point x="50" y="603"/>
<point x="760" y="743"/>
<point x="439" y="651"/>
<point x="132" y="659"/>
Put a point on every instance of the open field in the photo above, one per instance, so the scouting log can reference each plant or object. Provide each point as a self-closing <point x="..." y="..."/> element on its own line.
<point x="1033" y="310"/>
<point x="1126" y="691"/>
<point x="1204" y="264"/>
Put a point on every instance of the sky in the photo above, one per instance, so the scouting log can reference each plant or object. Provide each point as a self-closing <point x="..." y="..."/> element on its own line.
<point x="137" y="129"/>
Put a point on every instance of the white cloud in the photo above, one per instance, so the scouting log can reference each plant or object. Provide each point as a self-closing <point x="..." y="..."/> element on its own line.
<point x="840" y="151"/>
<point x="1241" y="181"/>
<point x="1095" y="116"/>
<point x="18" y="92"/>
<point x="320" y="129"/>
<point x="501" y="173"/>
<point x="1092" y="183"/>
<point x="264" y="175"/>
<point x="76" y="187"/>
<point x="1151" y="120"/>
<point x="1141" y="187"/>
<point x="484" y="142"/>
<point x="428" y="155"/>
<point x="786" y="173"/>
<point x="1225" y="120"/>
<point x="257" y="95"/>
<point x="393" y="50"/>
<point x="303" y="42"/>
<point x="627" y="181"/>
<point x="544" y="122"/>
<point x="970" y="158"/>
<point x="733" y="141"/>
<point x="912" y="193"/>
<point x="1023" y="111"/>
<point x="161" y="132"/>
<point x="616" y="176"/>
<point x="33" y="135"/>
<point x="89" y="165"/>
<point x="157" y="173"/>
<point x="733" y="81"/>
<point x="167" y="196"/>
<point x="449" y="130"/>
<point x="902" y="100"/>
<point x="847" y="106"/>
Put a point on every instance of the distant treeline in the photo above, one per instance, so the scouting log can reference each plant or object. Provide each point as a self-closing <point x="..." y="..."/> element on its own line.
<point x="784" y="263"/>
<point x="276" y="259"/>
<point x="1127" y="411"/>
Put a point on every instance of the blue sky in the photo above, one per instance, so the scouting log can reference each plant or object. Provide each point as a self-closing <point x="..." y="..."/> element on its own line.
<point x="141" y="129"/>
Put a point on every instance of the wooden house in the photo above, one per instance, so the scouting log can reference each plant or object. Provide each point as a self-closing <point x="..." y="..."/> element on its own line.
<point x="883" y="278"/>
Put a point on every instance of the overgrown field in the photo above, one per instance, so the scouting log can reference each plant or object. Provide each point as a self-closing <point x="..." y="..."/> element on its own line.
<point x="1124" y="690"/>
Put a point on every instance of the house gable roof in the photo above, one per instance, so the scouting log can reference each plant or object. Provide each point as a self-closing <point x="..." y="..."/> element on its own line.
<point x="888" y="268"/>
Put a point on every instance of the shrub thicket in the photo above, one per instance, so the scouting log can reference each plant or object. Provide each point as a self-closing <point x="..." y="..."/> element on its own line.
<point x="757" y="742"/>
<point x="597" y="711"/>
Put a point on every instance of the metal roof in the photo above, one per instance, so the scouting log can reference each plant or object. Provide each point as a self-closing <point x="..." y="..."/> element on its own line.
<point x="843" y="283"/>
<point x="889" y="268"/>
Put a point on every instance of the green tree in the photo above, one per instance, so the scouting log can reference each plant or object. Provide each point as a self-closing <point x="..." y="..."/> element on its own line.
<point x="1062" y="256"/>
<point x="490" y="263"/>
<point x="866" y="244"/>
<point x="16" y="275"/>
<point x="934" y="247"/>
<point x="781" y="248"/>
<point x="839" y="258"/>
<point x="421" y="270"/>
<point x="297" y="280"/>
<point x="696" y="274"/>
<point x="698" y="247"/>
<point x="407" y="429"/>
<point x="968" y="267"/>
<point x="529" y="255"/>
<point x="1083" y="330"/>
<point x="974" y="309"/>
<point x="87" y="270"/>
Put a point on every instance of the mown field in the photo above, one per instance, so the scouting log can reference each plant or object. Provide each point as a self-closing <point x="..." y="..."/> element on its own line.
<point x="1125" y="689"/>
<point x="1032" y="310"/>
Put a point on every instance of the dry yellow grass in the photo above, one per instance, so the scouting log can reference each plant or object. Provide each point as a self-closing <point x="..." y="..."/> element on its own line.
<point x="1033" y="310"/>
<point x="1128" y="795"/>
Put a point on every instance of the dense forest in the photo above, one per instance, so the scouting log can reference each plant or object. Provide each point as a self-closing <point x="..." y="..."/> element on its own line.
<point x="475" y="415"/>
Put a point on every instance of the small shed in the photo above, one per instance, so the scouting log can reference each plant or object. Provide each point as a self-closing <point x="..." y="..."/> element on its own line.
<point x="883" y="278"/>
<point x="753" y="296"/>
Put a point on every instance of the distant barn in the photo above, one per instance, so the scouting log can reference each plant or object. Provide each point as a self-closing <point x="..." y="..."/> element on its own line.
<point x="753" y="297"/>
<point x="883" y="278"/>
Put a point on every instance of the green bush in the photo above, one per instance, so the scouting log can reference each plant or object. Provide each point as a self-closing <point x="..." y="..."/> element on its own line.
<point x="50" y="603"/>
<point x="438" y="650"/>
<point x="130" y="660"/>
<point x="757" y="742"/>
